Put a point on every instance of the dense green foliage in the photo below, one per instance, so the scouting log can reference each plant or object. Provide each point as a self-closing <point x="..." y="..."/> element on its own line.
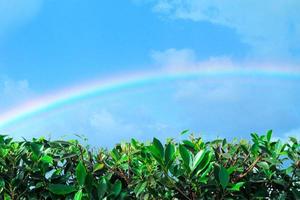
<point x="188" y="169"/>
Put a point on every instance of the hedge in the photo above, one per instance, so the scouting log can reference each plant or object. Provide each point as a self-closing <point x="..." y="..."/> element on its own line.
<point x="261" y="168"/>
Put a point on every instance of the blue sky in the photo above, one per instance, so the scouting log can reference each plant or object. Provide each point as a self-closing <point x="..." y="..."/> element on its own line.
<point x="49" y="45"/>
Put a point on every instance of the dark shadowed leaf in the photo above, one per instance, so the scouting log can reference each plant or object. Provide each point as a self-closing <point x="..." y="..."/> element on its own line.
<point x="101" y="188"/>
<point x="223" y="177"/>
<point x="157" y="144"/>
<point x="36" y="149"/>
<point x="61" y="189"/>
<point x="117" y="188"/>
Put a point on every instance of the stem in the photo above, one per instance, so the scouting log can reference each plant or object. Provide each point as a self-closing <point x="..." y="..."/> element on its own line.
<point x="175" y="186"/>
<point x="248" y="170"/>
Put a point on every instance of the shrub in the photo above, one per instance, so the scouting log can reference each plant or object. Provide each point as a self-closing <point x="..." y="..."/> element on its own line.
<point x="189" y="169"/>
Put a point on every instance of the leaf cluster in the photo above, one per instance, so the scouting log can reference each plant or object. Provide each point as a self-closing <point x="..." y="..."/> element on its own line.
<point x="191" y="169"/>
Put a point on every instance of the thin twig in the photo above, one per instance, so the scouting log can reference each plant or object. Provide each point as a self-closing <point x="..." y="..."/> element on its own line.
<point x="239" y="177"/>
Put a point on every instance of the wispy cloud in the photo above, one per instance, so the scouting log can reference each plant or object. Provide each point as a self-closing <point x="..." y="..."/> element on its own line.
<point x="233" y="105"/>
<point x="271" y="28"/>
<point x="13" y="92"/>
<point x="14" y="13"/>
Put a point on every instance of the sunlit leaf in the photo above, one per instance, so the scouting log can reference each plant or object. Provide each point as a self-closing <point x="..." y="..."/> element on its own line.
<point x="78" y="195"/>
<point x="81" y="173"/>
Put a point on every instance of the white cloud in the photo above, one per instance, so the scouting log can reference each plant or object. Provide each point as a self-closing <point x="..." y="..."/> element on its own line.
<point x="104" y="121"/>
<point x="180" y="59"/>
<point x="174" y="58"/>
<point x="219" y="104"/>
<point x="14" y="13"/>
<point x="272" y="28"/>
<point x="13" y="92"/>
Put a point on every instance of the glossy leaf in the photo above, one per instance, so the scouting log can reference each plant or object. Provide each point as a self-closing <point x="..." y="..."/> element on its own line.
<point x="169" y="154"/>
<point x="157" y="144"/>
<point x="81" y="173"/>
<point x="236" y="187"/>
<point x="198" y="158"/>
<point x="269" y="135"/>
<point x="98" y="166"/>
<point x="78" y="195"/>
<point x="2" y="185"/>
<point x="47" y="159"/>
<point x="186" y="156"/>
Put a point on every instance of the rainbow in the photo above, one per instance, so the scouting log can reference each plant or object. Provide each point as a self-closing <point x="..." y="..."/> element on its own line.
<point x="72" y="94"/>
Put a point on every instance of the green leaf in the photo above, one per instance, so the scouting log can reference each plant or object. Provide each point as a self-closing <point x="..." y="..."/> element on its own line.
<point x="169" y="154"/>
<point x="117" y="188"/>
<point x="189" y="144"/>
<point x="236" y="187"/>
<point x="198" y="158"/>
<point x="269" y="135"/>
<point x="78" y="195"/>
<point x="207" y="171"/>
<point x="186" y="156"/>
<point x="203" y="164"/>
<point x="89" y="182"/>
<point x="61" y="189"/>
<point x="294" y="140"/>
<point x="98" y="166"/>
<point x="81" y="173"/>
<point x="223" y="177"/>
<point x="2" y="185"/>
<point x="115" y="155"/>
<point x="140" y="188"/>
<point x="155" y="153"/>
<point x="7" y="197"/>
<point x="134" y="143"/>
<point x="47" y="159"/>
<point x="263" y="165"/>
<point x="184" y="132"/>
<point x="157" y="144"/>
<point x="101" y="188"/>
<point x="3" y="152"/>
<point x="36" y="149"/>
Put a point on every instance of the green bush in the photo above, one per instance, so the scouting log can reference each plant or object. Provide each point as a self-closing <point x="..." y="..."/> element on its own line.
<point x="188" y="169"/>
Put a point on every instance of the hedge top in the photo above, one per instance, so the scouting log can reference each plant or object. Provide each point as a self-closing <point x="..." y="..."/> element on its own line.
<point x="189" y="169"/>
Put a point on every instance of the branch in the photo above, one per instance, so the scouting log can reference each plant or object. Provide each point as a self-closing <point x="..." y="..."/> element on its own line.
<point x="250" y="168"/>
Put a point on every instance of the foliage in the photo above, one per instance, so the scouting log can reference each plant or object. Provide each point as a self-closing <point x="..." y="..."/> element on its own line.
<point x="188" y="169"/>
